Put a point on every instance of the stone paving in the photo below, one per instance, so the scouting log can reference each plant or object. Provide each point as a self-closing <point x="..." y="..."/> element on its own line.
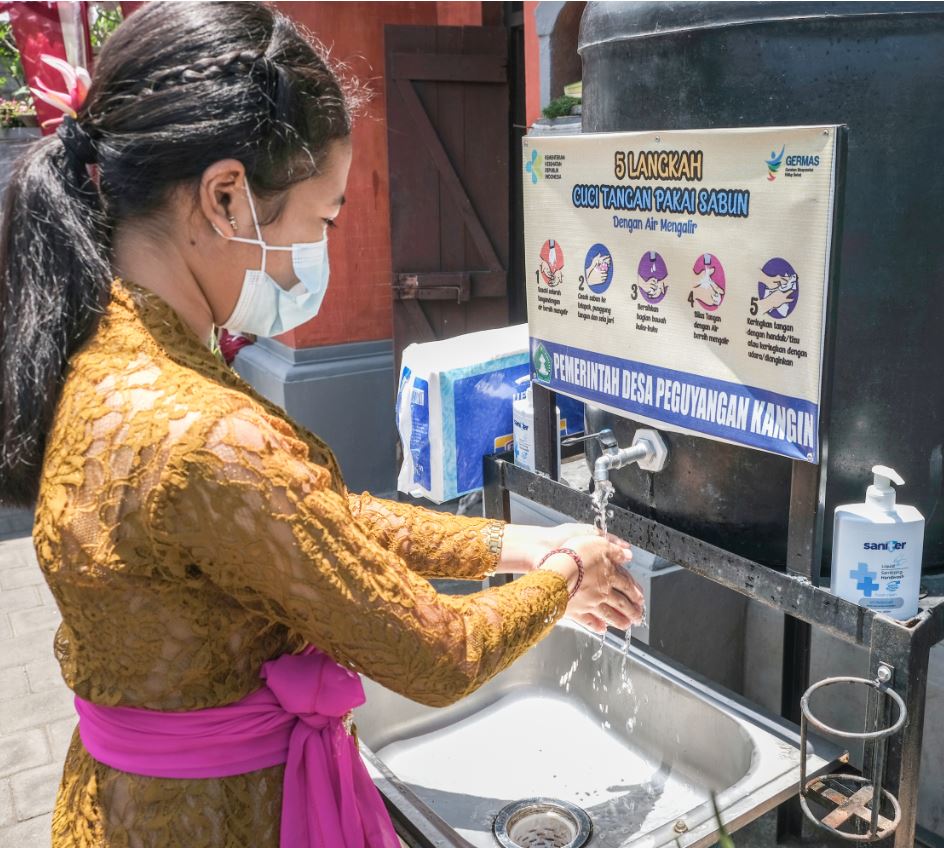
<point x="36" y="712"/>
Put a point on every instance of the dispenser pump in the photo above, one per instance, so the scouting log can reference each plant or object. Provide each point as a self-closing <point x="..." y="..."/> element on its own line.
<point x="881" y="494"/>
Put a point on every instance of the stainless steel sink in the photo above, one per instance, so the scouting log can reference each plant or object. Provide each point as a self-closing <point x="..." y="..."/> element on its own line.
<point x="636" y="742"/>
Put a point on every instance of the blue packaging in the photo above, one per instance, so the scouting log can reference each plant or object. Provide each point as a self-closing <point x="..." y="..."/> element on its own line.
<point x="454" y="406"/>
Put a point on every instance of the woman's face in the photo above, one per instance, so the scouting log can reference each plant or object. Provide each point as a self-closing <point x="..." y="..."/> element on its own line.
<point x="303" y="214"/>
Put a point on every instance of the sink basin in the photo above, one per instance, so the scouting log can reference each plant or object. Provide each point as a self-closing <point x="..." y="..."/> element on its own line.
<point x="637" y="742"/>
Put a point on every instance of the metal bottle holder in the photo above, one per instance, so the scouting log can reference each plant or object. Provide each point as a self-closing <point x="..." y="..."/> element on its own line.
<point x="830" y="790"/>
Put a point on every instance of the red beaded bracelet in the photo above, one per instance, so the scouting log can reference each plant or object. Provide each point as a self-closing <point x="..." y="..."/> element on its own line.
<point x="575" y="557"/>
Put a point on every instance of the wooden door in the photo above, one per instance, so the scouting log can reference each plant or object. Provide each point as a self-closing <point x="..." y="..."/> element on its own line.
<point x="449" y="138"/>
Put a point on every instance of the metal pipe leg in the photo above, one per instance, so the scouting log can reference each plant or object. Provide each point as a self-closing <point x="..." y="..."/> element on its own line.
<point x="546" y="437"/>
<point x="908" y="651"/>
<point x="496" y="503"/>
<point x="795" y="680"/>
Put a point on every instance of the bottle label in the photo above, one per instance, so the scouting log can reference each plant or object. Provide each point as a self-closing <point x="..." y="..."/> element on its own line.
<point x="880" y="571"/>
<point x="878" y="580"/>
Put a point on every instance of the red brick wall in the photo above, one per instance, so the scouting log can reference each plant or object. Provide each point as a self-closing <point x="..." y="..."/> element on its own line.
<point x="358" y="305"/>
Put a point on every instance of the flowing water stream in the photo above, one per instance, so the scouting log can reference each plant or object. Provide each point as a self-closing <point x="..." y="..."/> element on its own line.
<point x="602" y="495"/>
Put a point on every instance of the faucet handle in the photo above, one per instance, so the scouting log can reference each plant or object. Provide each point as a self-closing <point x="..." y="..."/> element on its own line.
<point x="605" y="438"/>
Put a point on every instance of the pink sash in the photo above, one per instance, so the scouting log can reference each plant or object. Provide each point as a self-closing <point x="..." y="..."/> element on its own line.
<point x="296" y="718"/>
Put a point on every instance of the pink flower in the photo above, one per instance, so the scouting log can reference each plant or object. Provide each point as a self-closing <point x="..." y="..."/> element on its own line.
<point x="77" y="82"/>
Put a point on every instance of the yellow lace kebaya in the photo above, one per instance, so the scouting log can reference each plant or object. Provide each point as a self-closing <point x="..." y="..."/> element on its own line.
<point x="190" y="532"/>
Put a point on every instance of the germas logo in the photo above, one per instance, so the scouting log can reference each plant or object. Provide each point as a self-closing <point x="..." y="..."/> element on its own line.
<point x="803" y="161"/>
<point x="774" y="163"/>
<point x="795" y="165"/>
<point x="884" y="546"/>
<point x="535" y="166"/>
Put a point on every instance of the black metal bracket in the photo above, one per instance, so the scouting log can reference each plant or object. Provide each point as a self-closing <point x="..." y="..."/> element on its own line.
<point x="545" y="430"/>
<point x="905" y="646"/>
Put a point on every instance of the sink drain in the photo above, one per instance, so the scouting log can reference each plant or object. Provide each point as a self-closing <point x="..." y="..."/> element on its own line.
<point x="542" y="823"/>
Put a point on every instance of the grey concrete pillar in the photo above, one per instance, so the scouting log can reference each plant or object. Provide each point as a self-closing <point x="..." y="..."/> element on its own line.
<point x="545" y="17"/>
<point x="343" y="393"/>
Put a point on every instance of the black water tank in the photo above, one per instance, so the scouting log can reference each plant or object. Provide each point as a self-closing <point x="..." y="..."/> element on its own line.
<point x="879" y="69"/>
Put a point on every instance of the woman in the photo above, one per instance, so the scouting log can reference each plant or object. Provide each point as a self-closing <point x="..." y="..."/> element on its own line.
<point x="198" y="543"/>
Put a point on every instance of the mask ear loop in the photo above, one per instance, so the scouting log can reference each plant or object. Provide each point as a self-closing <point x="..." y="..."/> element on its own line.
<point x="255" y="223"/>
<point x="258" y="241"/>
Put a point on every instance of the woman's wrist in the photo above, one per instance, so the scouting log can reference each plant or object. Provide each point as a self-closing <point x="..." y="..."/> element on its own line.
<point x="568" y="564"/>
<point x="521" y="549"/>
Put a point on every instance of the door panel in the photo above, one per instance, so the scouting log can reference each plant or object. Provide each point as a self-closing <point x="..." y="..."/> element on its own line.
<point x="448" y="130"/>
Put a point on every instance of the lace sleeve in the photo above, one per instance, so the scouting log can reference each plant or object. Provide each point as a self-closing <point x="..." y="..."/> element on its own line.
<point x="241" y="502"/>
<point x="433" y="544"/>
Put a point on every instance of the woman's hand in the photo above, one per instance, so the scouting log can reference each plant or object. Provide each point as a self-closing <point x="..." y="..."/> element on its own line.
<point x="524" y="545"/>
<point x="607" y="594"/>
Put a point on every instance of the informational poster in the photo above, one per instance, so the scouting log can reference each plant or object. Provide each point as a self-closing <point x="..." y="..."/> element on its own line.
<point x="680" y="277"/>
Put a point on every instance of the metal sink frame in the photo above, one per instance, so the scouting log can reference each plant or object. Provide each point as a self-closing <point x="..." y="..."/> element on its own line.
<point x="903" y="647"/>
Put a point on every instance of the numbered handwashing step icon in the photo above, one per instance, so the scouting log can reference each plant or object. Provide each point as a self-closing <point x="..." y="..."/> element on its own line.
<point x="779" y="290"/>
<point x="709" y="288"/>
<point x="653" y="277"/>
<point x="551" y="264"/>
<point x="597" y="269"/>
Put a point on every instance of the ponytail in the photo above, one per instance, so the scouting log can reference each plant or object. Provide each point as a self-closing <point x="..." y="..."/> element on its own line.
<point x="54" y="285"/>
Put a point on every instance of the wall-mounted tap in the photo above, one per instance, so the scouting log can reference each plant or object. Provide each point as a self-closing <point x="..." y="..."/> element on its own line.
<point x="648" y="450"/>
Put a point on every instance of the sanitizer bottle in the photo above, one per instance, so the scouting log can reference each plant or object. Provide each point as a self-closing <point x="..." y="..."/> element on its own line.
<point x="877" y="550"/>
<point x="522" y="413"/>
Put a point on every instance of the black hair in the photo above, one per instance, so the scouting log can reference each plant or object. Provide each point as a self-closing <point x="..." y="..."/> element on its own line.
<point x="177" y="87"/>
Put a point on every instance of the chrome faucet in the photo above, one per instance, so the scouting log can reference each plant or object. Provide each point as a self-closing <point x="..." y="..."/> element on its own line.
<point x="648" y="450"/>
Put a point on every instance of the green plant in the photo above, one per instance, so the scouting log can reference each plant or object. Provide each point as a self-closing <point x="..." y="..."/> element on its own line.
<point x="16" y="113"/>
<point x="104" y="19"/>
<point x="560" y="107"/>
<point x="724" y="838"/>
<point x="16" y="102"/>
<point x="11" y="69"/>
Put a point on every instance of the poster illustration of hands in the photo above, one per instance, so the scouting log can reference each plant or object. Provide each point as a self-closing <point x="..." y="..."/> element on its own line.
<point x="680" y="277"/>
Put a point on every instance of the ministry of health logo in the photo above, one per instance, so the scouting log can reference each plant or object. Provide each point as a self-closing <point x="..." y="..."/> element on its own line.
<point x="535" y="166"/>
<point x="774" y="163"/>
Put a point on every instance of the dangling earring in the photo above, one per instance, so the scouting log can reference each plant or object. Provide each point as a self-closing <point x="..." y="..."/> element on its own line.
<point x="232" y="223"/>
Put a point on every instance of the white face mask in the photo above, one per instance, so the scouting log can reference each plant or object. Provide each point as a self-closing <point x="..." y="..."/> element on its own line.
<point x="264" y="308"/>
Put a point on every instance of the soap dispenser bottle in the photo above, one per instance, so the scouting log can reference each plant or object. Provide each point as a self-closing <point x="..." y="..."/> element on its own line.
<point x="877" y="548"/>
<point x="523" y="426"/>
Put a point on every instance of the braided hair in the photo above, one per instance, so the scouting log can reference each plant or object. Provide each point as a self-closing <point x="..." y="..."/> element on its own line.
<point x="177" y="87"/>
